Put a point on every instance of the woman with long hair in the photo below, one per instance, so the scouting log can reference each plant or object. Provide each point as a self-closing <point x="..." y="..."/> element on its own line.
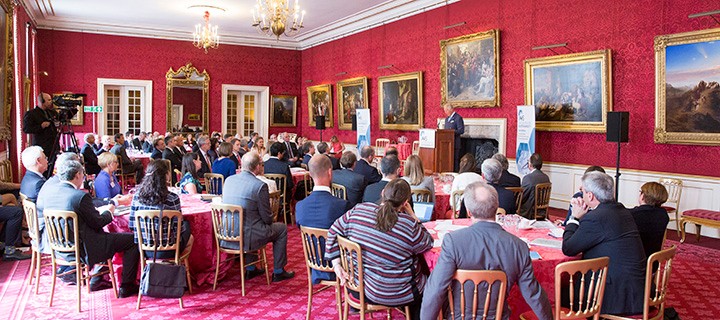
<point x="392" y="237"/>
<point x="467" y="174"/>
<point x="259" y="147"/>
<point x="414" y="174"/>
<point x="336" y="147"/>
<point x="190" y="183"/>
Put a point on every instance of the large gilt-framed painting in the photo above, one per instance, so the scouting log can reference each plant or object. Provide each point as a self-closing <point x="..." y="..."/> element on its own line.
<point x="7" y="69"/>
<point x="352" y="94"/>
<point x="570" y="92"/>
<point x="401" y="101"/>
<point x="320" y="104"/>
<point x="687" y="81"/>
<point x="284" y="111"/>
<point x="470" y="70"/>
<point x="79" y="118"/>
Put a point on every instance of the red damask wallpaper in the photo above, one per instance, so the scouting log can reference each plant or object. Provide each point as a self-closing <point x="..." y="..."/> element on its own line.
<point x="627" y="28"/>
<point x="21" y="19"/>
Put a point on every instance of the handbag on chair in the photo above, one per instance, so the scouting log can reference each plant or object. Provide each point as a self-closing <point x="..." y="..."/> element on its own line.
<point x="162" y="280"/>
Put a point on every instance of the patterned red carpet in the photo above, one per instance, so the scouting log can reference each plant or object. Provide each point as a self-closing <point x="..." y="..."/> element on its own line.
<point x="692" y="294"/>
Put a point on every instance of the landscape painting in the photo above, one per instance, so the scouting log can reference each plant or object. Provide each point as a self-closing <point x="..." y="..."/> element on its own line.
<point x="687" y="109"/>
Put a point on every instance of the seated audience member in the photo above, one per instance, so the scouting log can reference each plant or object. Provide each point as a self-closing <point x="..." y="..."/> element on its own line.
<point x="389" y="165"/>
<point x="106" y="184"/>
<point x="308" y="151"/>
<point x="354" y="182"/>
<point x="35" y="163"/>
<point x="245" y="190"/>
<point x="292" y="155"/>
<point x="214" y="143"/>
<point x="239" y="148"/>
<point x="12" y="216"/>
<point x="190" y="142"/>
<point x="578" y="195"/>
<point x="170" y="154"/>
<point x="601" y="227"/>
<point x="147" y="145"/>
<point x="415" y="176"/>
<point x="392" y="151"/>
<point x="320" y="209"/>
<point x="391" y="237"/>
<point x="253" y="136"/>
<point x="190" y="182"/>
<point x="507" y="179"/>
<point x="153" y="194"/>
<point x="272" y="139"/>
<point x="529" y="181"/>
<point x="106" y="145"/>
<point x="259" y="148"/>
<point x="336" y="147"/>
<point x="322" y="148"/>
<point x="491" y="172"/>
<point x="98" y="245"/>
<point x="363" y="167"/>
<point x="126" y="140"/>
<point x="650" y="218"/>
<point x="205" y="156"/>
<point x="128" y="166"/>
<point x="466" y="177"/>
<point x="179" y="147"/>
<point x="224" y="165"/>
<point x="276" y="165"/>
<point x="228" y="137"/>
<point x="485" y="245"/>
<point x="138" y="143"/>
<point x="90" y="155"/>
<point x="158" y="149"/>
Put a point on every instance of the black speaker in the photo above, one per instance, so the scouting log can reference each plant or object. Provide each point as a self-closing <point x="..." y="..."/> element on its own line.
<point x="617" y="126"/>
<point x="320" y="122"/>
<point x="354" y="122"/>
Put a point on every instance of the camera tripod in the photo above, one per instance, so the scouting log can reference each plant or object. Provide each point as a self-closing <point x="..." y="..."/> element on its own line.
<point x="66" y="134"/>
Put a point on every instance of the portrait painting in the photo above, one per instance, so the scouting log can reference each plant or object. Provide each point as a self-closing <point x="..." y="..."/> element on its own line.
<point x="570" y="92"/>
<point x="687" y="104"/>
<point x="351" y="95"/>
<point x="284" y="111"/>
<point x="470" y="71"/>
<point x="401" y="101"/>
<point x="320" y="104"/>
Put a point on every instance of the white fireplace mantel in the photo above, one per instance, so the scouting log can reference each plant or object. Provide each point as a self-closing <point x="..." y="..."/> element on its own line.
<point x="485" y="128"/>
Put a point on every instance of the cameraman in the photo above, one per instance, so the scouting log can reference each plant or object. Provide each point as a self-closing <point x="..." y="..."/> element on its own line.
<point x="40" y="124"/>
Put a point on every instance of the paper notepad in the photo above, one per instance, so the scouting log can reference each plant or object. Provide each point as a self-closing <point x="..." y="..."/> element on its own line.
<point x="449" y="227"/>
<point x="557" y="232"/>
<point x="543" y="225"/>
<point x="556" y="244"/>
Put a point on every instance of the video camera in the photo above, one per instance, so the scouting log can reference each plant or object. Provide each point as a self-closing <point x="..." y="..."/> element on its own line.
<point x="67" y="105"/>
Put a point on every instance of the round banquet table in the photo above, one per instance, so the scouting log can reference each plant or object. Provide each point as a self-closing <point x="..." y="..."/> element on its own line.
<point x="202" y="257"/>
<point x="143" y="157"/>
<point x="298" y="175"/>
<point x="404" y="150"/>
<point x="544" y="268"/>
<point x="442" y="200"/>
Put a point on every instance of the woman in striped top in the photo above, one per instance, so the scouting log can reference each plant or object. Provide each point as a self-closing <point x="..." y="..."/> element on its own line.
<point x="391" y="237"/>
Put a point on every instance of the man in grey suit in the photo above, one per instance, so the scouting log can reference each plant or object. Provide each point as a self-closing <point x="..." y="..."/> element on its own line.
<point x="249" y="192"/>
<point x="354" y="182"/>
<point x="483" y="246"/>
<point x="529" y="181"/>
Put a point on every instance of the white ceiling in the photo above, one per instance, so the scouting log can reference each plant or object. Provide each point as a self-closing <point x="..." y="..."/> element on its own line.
<point x="325" y="20"/>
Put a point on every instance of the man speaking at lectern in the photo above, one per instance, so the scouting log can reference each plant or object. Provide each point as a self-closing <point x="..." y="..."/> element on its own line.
<point x="454" y="122"/>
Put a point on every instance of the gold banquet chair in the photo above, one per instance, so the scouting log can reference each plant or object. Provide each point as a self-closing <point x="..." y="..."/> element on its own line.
<point x="477" y="277"/>
<point x="214" y="183"/>
<point x="542" y="200"/>
<point x="421" y="195"/>
<point x="281" y="183"/>
<point x="517" y="193"/>
<point x="313" y="249"/>
<point x="381" y="145"/>
<point x="672" y="205"/>
<point x="456" y="201"/>
<point x="339" y="191"/>
<point x="36" y="259"/>
<point x="275" y="204"/>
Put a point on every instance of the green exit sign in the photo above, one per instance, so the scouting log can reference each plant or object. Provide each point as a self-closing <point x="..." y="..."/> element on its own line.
<point x="93" y="109"/>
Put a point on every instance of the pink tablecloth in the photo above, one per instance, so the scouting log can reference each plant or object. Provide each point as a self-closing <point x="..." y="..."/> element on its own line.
<point x="544" y="269"/>
<point x="299" y="175"/>
<point x="442" y="201"/>
<point x="144" y="158"/>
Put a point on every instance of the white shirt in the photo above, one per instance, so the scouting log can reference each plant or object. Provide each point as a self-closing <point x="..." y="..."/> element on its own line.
<point x="321" y="188"/>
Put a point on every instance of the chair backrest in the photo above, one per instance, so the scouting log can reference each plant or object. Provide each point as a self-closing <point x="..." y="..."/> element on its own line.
<point x="304" y="166"/>
<point x="214" y="183"/>
<point x="151" y="231"/>
<point x="416" y="147"/>
<point x="381" y="144"/>
<point x="309" y="184"/>
<point x="6" y="173"/>
<point x="660" y="279"/>
<point x="421" y="195"/>
<point x="275" y="202"/>
<point x="456" y="201"/>
<point x="62" y="231"/>
<point x="178" y="176"/>
<point x="313" y="241"/>
<point x="339" y="191"/>
<point x="32" y="221"/>
<point x="280" y="182"/>
<point x="591" y="275"/>
<point x="674" y="189"/>
<point x="542" y="197"/>
<point x="352" y="262"/>
<point x="490" y="277"/>
<point x="517" y="193"/>
<point x="226" y="219"/>
<point x="119" y="170"/>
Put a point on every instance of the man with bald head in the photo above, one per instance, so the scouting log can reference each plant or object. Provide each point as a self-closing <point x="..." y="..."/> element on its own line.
<point x="485" y="245"/>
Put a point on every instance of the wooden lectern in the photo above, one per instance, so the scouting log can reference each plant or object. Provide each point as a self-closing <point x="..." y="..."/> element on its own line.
<point x="440" y="158"/>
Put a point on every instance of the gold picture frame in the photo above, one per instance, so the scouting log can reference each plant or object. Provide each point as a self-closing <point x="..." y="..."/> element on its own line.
<point x="79" y="118"/>
<point x="320" y="103"/>
<point x="686" y="55"/>
<point x="7" y="67"/>
<point x="570" y="92"/>
<point x="284" y="110"/>
<point x="352" y="94"/>
<point x="400" y="100"/>
<point x="187" y="76"/>
<point x="471" y="87"/>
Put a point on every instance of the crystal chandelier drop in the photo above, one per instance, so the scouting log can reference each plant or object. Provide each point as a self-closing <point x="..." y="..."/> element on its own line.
<point x="273" y="17"/>
<point x="206" y="35"/>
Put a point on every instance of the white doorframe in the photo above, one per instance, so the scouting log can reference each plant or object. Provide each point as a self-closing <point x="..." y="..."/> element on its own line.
<point x="263" y="117"/>
<point x="147" y="106"/>
<point x="180" y="108"/>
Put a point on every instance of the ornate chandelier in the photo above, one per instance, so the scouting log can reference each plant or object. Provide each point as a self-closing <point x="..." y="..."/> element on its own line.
<point x="206" y="36"/>
<point x="272" y="17"/>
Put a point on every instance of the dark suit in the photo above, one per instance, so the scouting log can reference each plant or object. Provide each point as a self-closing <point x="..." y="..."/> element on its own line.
<point x="175" y="162"/>
<point x="91" y="160"/>
<point x="276" y="166"/>
<point x="156" y="154"/>
<point x="506" y="199"/>
<point x="205" y="164"/>
<point x="508" y="179"/>
<point x="31" y="184"/>
<point x="320" y="210"/>
<point x="335" y="162"/>
<point x="372" y="191"/>
<point x="137" y="144"/>
<point x="306" y="158"/>
<point x="354" y="184"/>
<point x="97" y="245"/>
<point x="651" y="222"/>
<point x="147" y="146"/>
<point x="609" y="231"/>
<point x="369" y="172"/>
<point x="483" y="246"/>
<point x="247" y="191"/>
<point x="292" y="151"/>
<point x="39" y="136"/>
<point x="128" y="166"/>
<point x="236" y="159"/>
<point x="455" y="122"/>
<point x="529" y="182"/>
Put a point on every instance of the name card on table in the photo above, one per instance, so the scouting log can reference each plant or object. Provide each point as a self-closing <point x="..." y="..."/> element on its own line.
<point x="427" y="138"/>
